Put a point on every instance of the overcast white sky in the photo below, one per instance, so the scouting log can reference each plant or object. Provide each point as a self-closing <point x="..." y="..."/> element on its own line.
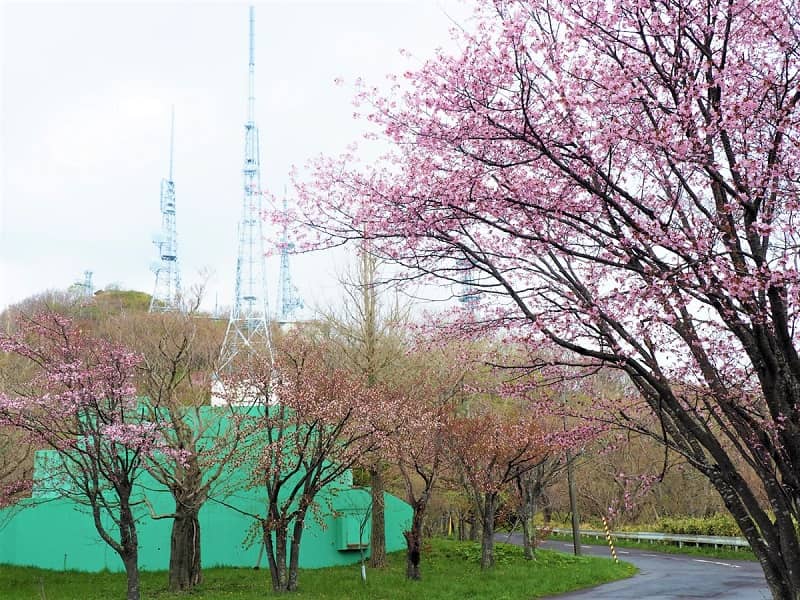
<point x="84" y="126"/>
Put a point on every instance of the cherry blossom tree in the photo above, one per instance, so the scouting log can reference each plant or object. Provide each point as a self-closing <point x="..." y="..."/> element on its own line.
<point x="531" y="485"/>
<point x="315" y="422"/>
<point x="417" y="441"/>
<point x="80" y="403"/>
<point x="491" y="451"/>
<point x="623" y="177"/>
<point x="16" y="449"/>
<point x="16" y="466"/>
<point x="368" y="329"/>
<point x="179" y="354"/>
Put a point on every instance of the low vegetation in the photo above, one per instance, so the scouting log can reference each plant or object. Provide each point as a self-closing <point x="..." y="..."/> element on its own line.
<point x="714" y="525"/>
<point x="704" y="551"/>
<point x="719" y="524"/>
<point x="452" y="571"/>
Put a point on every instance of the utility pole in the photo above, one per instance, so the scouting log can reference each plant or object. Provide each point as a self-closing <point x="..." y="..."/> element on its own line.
<point x="573" y="497"/>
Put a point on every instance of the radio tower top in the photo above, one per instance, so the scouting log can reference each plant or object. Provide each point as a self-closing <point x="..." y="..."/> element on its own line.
<point x="248" y="330"/>
<point x="469" y="294"/>
<point x="83" y="288"/>
<point x="288" y="297"/>
<point x="166" y="295"/>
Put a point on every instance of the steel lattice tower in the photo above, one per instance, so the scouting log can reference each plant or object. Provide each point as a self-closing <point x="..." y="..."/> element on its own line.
<point x="84" y="288"/>
<point x="288" y="297"/>
<point x="469" y="293"/>
<point x="167" y="291"/>
<point x="248" y="328"/>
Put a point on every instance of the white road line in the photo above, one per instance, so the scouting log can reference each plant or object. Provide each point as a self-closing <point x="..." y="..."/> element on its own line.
<point x="713" y="562"/>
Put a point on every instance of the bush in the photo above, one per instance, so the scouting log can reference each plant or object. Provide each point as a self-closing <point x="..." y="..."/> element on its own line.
<point x="471" y="552"/>
<point x="719" y="524"/>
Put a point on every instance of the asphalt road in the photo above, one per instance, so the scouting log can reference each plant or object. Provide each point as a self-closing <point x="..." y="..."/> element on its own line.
<point x="670" y="576"/>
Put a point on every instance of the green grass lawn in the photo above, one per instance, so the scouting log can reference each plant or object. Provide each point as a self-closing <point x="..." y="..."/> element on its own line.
<point x="705" y="551"/>
<point x="450" y="570"/>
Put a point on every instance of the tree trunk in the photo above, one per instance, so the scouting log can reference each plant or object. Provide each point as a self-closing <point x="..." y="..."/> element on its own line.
<point x="184" y="558"/>
<point x="377" y="539"/>
<point x="487" y="522"/>
<point x="294" y="552"/>
<point x="132" y="572"/>
<point x="530" y="490"/>
<point x="414" y="543"/>
<point x="473" y="527"/>
<point x="528" y="539"/>
<point x="276" y="556"/>
<point x="773" y="544"/>
<point x="129" y="542"/>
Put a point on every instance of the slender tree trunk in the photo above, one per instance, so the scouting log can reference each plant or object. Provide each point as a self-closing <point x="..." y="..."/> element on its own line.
<point x="276" y="556"/>
<point x="527" y="512"/>
<point x="184" y="558"/>
<point x="487" y="523"/>
<point x="414" y="543"/>
<point x="294" y="553"/>
<point x="377" y="538"/>
<point x="528" y="539"/>
<point x="129" y="542"/>
<point x="473" y="527"/>
<point x="530" y="490"/>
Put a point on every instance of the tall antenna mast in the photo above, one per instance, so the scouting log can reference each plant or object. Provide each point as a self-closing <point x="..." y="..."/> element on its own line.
<point x="248" y="329"/>
<point x="167" y="291"/>
<point x="288" y="297"/>
<point x="83" y="288"/>
<point x="469" y="294"/>
<point x="88" y="287"/>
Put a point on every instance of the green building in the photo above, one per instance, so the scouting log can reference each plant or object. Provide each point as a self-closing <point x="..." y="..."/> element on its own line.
<point x="52" y="532"/>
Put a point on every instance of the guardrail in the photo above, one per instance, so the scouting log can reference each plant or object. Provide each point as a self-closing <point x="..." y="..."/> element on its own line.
<point x="669" y="538"/>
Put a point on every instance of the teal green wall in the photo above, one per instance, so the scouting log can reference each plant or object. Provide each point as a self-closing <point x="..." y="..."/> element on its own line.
<point x="58" y="534"/>
<point x="51" y="532"/>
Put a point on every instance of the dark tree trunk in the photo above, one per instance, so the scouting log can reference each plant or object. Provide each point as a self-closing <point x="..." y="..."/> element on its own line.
<point x="276" y="555"/>
<point x="127" y="547"/>
<point x="129" y="542"/>
<point x="474" y="528"/>
<point x="294" y="553"/>
<point x="784" y="584"/>
<point x="414" y="543"/>
<point x="487" y="525"/>
<point x="184" y="558"/>
<point x="189" y="494"/>
<point x="132" y="573"/>
<point x="377" y="539"/>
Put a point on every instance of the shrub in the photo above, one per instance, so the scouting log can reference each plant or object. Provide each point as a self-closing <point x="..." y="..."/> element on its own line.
<point x="719" y="524"/>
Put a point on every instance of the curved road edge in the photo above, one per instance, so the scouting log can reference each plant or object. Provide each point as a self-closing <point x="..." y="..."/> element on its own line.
<point x="667" y="576"/>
